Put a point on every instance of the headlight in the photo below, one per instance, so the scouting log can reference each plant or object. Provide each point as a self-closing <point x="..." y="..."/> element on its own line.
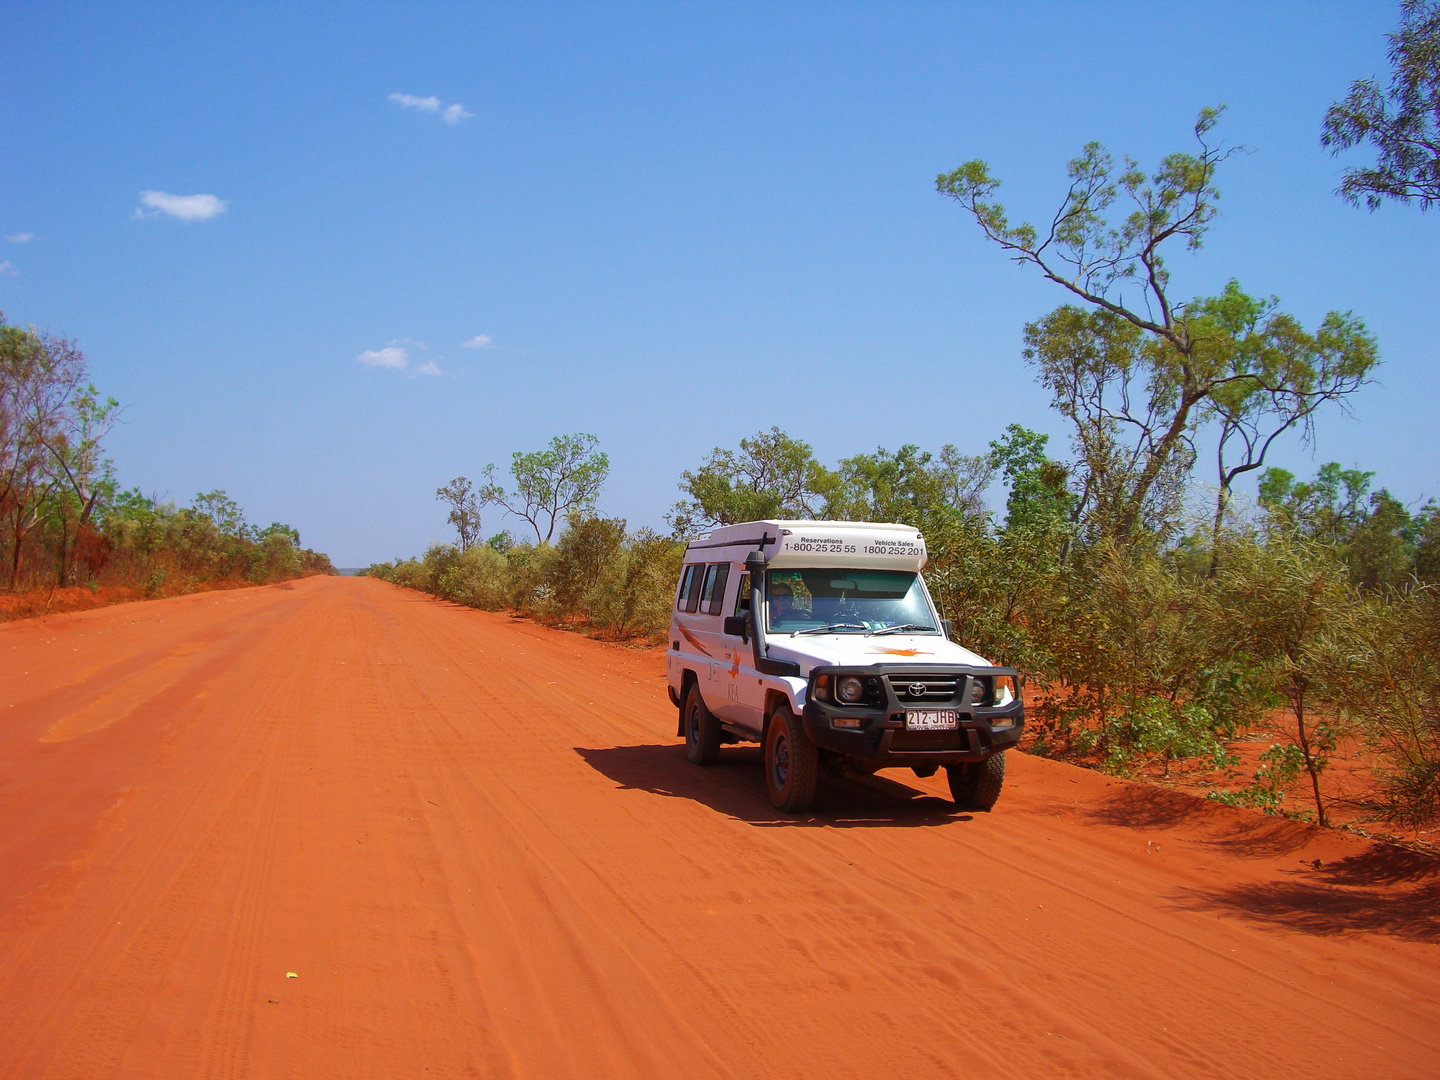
<point x="979" y="690"/>
<point x="849" y="689"/>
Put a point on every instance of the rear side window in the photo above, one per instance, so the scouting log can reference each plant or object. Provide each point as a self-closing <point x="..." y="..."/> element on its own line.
<point x="708" y="590"/>
<point x="715" y="587"/>
<point x="690" y="587"/>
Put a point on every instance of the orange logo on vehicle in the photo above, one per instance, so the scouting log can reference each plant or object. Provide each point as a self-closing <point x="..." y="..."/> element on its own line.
<point x="903" y="652"/>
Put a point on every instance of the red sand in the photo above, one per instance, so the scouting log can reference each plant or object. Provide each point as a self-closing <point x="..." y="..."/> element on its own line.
<point x="478" y="845"/>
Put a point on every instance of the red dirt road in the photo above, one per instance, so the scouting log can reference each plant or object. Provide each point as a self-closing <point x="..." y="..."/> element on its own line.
<point x="479" y="847"/>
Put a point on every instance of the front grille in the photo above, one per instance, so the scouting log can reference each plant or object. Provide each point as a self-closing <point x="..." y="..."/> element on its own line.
<point x="932" y="686"/>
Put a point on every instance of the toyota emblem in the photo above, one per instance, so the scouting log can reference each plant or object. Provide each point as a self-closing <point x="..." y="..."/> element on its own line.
<point x="916" y="689"/>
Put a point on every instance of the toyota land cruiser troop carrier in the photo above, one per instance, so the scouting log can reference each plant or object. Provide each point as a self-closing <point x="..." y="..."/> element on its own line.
<point x="819" y="640"/>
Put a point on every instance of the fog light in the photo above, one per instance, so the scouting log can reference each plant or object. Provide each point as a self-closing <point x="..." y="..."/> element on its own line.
<point x="1000" y="723"/>
<point x="849" y="689"/>
<point x="847" y="721"/>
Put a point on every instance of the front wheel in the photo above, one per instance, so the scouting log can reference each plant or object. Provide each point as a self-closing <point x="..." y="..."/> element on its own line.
<point x="702" y="730"/>
<point x="791" y="763"/>
<point x="976" y="785"/>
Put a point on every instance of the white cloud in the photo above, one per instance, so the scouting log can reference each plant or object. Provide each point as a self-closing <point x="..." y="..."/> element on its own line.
<point x="184" y="207"/>
<point x="451" y="114"/>
<point x="20" y="237"/>
<point x="410" y="101"/>
<point x="392" y="356"/>
<point x="429" y="367"/>
<point x="7" y="269"/>
<point x="479" y="341"/>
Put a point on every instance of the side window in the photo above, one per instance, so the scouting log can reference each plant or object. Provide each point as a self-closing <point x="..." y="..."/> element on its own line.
<point x="690" y="587"/>
<point x="707" y="594"/>
<point x="742" y="595"/>
<point x="715" y="591"/>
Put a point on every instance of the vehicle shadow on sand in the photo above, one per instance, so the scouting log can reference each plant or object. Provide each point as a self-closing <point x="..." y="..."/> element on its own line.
<point x="736" y="787"/>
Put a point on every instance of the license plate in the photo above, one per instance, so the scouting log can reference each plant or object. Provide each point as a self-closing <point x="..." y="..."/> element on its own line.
<point x="930" y="720"/>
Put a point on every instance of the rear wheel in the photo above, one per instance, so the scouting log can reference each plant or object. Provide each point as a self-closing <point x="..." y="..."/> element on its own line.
<point x="976" y="785"/>
<point x="702" y="730"/>
<point x="791" y="763"/>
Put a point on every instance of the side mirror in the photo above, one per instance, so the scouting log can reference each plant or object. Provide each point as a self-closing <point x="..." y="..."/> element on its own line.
<point x="737" y="626"/>
<point x="948" y="627"/>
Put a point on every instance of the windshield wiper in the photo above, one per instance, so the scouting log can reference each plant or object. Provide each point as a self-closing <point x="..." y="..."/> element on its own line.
<point x="832" y="626"/>
<point x="898" y="627"/>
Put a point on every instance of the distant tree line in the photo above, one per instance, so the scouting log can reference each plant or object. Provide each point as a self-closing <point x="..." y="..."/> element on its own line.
<point x="64" y="522"/>
<point x="597" y="574"/>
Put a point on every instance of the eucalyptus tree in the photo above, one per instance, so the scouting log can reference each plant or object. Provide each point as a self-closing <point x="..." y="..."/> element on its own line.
<point x="911" y="486"/>
<point x="41" y="378"/>
<point x="561" y="479"/>
<point x="1278" y="603"/>
<point x="1403" y="123"/>
<point x="1137" y="371"/>
<point x="85" y="477"/>
<point x="464" y="514"/>
<point x="772" y="475"/>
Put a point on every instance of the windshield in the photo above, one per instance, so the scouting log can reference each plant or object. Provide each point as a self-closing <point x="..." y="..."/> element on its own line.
<point x="847" y="601"/>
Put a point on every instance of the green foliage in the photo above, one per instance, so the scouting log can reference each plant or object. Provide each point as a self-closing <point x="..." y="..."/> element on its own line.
<point x="1326" y="508"/>
<point x="1382" y="545"/>
<point x="910" y="486"/>
<point x="476" y="577"/>
<point x="464" y="510"/>
<point x="1384" y="674"/>
<point x="588" y="558"/>
<point x="564" y="478"/>
<point x="1039" y="499"/>
<point x="1278" y="598"/>
<point x="772" y="476"/>
<point x="1403" y="124"/>
<point x="224" y="512"/>
<point x="174" y="549"/>
<point x="1123" y="629"/>
<point x="1092" y="249"/>
<point x="1427" y="544"/>
<point x="1280" y="765"/>
<point x="598" y="574"/>
<point x="275" y="528"/>
<point x="1155" y="728"/>
<point x="1137" y="381"/>
<point x="63" y="518"/>
<point x="991" y="585"/>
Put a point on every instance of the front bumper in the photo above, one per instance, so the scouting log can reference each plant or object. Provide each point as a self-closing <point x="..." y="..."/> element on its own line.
<point x="882" y="738"/>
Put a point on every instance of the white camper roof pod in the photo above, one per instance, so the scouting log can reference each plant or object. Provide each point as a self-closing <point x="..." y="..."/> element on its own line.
<point x="882" y="546"/>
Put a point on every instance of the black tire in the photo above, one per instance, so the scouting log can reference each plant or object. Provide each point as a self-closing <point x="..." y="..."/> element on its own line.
<point x="702" y="730"/>
<point x="976" y="785"/>
<point x="791" y="763"/>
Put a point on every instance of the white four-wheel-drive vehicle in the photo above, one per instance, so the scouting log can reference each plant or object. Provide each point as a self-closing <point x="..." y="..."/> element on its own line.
<point x="819" y="640"/>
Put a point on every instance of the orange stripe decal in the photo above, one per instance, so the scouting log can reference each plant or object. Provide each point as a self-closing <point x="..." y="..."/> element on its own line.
<point x="691" y="638"/>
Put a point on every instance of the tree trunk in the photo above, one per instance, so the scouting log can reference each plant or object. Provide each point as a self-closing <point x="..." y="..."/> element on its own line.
<point x="1221" y="498"/>
<point x="1311" y="766"/>
<point x="1135" y="502"/>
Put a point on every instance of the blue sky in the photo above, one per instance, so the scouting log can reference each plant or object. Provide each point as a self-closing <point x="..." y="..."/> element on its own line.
<point x="669" y="225"/>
